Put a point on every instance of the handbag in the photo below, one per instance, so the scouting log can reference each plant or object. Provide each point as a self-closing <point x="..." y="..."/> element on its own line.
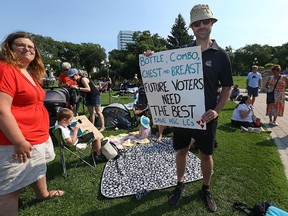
<point x="109" y="150"/>
<point x="270" y="95"/>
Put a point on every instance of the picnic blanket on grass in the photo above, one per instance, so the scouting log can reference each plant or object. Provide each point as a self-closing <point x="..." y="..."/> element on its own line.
<point x="127" y="140"/>
<point x="150" y="166"/>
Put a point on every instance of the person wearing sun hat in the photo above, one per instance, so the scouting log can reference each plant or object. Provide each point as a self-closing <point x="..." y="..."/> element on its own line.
<point x="145" y="129"/>
<point x="216" y="69"/>
<point x="201" y="12"/>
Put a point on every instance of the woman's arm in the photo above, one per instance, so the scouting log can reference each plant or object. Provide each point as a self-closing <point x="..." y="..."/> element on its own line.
<point x="245" y="113"/>
<point x="11" y="129"/>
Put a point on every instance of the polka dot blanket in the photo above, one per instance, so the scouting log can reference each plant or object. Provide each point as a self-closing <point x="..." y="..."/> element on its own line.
<point x="145" y="167"/>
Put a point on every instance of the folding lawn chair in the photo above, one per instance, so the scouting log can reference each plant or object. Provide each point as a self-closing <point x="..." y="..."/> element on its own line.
<point x="79" y="150"/>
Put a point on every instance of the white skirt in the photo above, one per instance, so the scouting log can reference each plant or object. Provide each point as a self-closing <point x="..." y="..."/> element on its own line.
<point x="15" y="175"/>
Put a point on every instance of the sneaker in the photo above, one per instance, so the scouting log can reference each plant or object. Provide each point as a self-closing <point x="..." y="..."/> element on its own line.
<point x="176" y="195"/>
<point x="275" y="123"/>
<point x="99" y="158"/>
<point x="243" y="129"/>
<point x="209" y="201"/>
<point x="271" y="123"/>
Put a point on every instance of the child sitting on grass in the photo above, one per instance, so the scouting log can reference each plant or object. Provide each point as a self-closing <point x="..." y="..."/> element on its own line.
<point x="70" y="134"/>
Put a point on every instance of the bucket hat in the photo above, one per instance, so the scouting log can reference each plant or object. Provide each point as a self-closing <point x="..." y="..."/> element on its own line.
<point x="201" y="12"/>
<point x="72" y="72"/>
<point x="145" y="121"/>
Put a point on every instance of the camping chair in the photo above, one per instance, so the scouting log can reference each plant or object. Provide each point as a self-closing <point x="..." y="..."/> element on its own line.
<point x="79" y="150"/>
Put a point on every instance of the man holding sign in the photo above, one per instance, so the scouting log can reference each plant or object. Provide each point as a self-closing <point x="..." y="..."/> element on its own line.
<point x="201" y="132"/>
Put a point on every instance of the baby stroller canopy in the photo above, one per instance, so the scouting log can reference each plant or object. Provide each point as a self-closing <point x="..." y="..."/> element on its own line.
<point x="55" y="100"/>
<point x="117" y="115"/>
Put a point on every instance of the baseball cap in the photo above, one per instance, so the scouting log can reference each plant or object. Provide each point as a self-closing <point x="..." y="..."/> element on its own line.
<point x="72" y="72"/>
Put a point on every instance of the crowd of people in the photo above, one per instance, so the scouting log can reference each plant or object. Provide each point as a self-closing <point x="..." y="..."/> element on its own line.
<point x="24" y="128"/>
<point x="243" y="114"/>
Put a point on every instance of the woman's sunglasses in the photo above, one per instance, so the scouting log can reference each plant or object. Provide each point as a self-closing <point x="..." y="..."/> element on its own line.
<point x="198" y="23"/>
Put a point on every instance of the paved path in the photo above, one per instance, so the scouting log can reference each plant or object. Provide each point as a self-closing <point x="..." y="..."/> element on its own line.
<point x="279" y="133"/>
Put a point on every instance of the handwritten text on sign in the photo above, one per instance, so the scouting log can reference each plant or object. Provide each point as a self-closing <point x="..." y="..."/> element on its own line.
<point x="173" y="82"/>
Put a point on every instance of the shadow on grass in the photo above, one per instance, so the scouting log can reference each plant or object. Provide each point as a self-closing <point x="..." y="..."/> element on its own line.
<point x="133" y="206"/>
<point x="266" y="143"/>
<point x="228" y="109"/>
<point x="227" y="128"/>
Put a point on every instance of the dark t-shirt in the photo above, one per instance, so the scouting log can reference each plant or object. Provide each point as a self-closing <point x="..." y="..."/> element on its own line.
<point x="216" y="69"/>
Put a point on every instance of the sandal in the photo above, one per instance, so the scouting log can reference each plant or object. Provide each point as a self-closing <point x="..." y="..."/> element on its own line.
<point x="53" y="194"/>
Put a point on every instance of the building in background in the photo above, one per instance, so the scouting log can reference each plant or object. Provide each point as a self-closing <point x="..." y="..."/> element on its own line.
<point x="123" y="38"/>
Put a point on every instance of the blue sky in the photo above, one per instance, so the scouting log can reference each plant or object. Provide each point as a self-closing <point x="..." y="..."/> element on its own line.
<point x="99" y="21"/>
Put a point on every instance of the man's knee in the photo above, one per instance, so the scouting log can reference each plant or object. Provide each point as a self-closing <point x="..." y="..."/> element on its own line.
<point x="205" y="157"/>
<point x="183" y="151"/>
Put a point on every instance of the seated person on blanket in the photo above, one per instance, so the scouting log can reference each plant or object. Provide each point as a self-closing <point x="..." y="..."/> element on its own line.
<point x="70" y="134"/>
<point x="145" y="129"/>
<point x="243" y="116"/>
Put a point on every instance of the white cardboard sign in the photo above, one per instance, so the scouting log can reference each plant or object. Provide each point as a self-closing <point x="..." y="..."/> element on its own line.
<point x="174" y="85"/>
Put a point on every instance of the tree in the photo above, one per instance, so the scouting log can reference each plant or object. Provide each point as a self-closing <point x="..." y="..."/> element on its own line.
<point x="179" y="34"/>
<point x="126" y="62"/>
<point x="246" y="56"/>
<point x="91" y="55"/>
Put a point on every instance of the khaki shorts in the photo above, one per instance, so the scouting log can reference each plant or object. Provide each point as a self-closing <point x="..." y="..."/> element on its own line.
<point x="15" y="175"/>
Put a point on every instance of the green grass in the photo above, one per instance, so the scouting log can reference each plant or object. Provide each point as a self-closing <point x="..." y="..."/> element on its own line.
<point x="247" y="168"/>
<point x="240" y="81"/>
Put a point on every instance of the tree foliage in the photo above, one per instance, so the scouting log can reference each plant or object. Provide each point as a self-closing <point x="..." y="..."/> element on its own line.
<point x="82" y="56"/>
<point x="124" y="64"/>
<point x="179" y="34"/>
<point x="249" y="55"/>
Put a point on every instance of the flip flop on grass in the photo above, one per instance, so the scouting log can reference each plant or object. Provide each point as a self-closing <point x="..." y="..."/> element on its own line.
<point x="53" y="194"/>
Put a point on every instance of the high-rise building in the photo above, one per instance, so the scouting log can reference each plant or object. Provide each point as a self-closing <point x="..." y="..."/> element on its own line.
<point x="123" y="38"/>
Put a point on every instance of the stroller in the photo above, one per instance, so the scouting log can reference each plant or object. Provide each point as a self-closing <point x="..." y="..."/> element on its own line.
<point x="61" y="98"/>
<point x="116" y="115"/>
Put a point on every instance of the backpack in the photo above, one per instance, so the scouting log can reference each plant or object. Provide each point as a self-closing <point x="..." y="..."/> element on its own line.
<point x="264" y="208"/>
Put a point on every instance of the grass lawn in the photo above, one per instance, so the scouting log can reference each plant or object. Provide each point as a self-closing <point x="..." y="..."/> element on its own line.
<point x="240" y="81"/>
<point x="247" y="168"/>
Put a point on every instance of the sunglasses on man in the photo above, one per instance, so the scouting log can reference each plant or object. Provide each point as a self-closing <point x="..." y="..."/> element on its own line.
<point x="204" y="22"/>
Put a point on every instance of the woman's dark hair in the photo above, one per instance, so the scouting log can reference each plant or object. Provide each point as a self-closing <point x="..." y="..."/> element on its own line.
<point x="243" y="100"/>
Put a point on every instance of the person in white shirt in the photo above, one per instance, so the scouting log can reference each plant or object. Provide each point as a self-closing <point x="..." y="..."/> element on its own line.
<point x="243" y="113"/>
<point x="70" y="134"/>
<point x="253" y="83"/>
